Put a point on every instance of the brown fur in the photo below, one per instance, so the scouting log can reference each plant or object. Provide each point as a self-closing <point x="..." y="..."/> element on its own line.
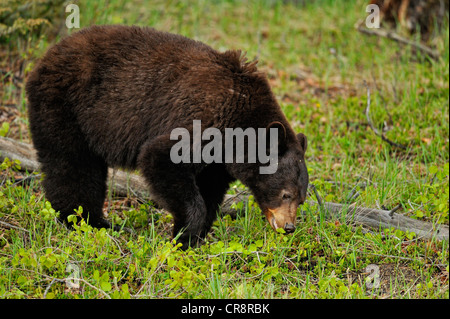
<point x="111" y="95"/>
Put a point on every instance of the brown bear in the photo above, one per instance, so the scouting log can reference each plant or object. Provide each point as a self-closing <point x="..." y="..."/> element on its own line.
<point x="110" y="96"/>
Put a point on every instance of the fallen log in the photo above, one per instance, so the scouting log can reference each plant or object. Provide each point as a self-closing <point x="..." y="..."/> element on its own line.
<point x="130" y="184"/>
<point x="374" y="218"/>
<point x="399" y="39"/>
<point x="23" y="152"/>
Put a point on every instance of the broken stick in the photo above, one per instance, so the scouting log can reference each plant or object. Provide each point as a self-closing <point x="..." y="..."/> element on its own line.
<point x="397" y="38"/>
<point x="374" y="129"/>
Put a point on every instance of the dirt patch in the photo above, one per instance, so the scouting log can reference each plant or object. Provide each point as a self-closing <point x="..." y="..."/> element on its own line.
<point x="307" y="84"/>
<point x="387" y="279"/>
<point x="18" y="128"/>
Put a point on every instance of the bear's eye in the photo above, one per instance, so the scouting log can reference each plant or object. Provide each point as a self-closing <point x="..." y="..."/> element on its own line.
<point x="287" y="196"/>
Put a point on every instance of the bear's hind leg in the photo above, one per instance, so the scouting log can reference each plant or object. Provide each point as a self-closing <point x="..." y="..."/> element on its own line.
<point x="73" y="175"/>
<point x="70" y="182"/>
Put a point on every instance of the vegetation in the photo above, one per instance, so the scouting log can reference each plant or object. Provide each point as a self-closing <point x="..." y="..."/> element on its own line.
<point x="318" y="66"/>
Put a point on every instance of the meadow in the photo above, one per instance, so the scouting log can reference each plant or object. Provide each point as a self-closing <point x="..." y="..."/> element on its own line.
<point x="321" y="70"/>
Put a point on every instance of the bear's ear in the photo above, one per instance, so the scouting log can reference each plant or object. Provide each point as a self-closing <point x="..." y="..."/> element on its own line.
<point x="303" y="141"/>
<point x="281" y="132"/>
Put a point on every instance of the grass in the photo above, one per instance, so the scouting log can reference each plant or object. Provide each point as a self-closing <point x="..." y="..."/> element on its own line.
<point x="317" y="64"/>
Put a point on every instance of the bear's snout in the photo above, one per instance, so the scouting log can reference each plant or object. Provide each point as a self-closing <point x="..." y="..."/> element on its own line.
<point x="281" y="218"/>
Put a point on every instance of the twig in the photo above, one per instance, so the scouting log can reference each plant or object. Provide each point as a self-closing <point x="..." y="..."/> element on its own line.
<point x="319" y="199"/>
<point x="27" y="179"/>
<point x="362" y="185"/>
<point x="374" y="129"/>
<point x="236" y="252"/>
<point x="48" y="287"/>
<point x="396" y="208"/>
<point x="386" y="256"/>
<point x="149" y="278"/>
<point x="117" y="244"/>
<point x="354" y="197"/>
<point x="93" y="287"/>
<point x="394" y="36"/>
<point x="232" y="197"/>
<point x="5" y="224"/>
<point x="53" y="279"/>
<point x="390" y="121"/>
<point x="353" y="193"/>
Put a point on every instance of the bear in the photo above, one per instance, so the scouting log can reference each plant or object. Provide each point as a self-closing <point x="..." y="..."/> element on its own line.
<point x="110" y="96"/>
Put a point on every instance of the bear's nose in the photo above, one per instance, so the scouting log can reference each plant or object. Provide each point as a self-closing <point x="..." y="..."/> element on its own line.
<point x="289" y="228"/>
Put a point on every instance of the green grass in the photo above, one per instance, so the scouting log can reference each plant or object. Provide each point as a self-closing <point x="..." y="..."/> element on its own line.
<point x="317" y="64"/>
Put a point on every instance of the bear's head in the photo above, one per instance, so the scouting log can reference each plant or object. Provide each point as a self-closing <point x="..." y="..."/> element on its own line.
<point x="279" y="194"/>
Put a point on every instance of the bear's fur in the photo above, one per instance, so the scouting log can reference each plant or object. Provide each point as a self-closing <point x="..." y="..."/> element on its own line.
<point x="111" y="95"/>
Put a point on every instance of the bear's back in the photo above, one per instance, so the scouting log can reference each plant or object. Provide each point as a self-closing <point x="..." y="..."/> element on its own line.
<point x="126" y="85"/>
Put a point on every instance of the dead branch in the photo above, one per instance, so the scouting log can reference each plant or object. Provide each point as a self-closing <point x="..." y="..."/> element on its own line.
<point x="374" y="129"/>
<point x="8" y="225"/>
<point x="374" y="218"/>
<point x="380" y="219"/>
<point x="23" y="152"/>
<point x="126" y="183"/>
<point x="399" y="39"/>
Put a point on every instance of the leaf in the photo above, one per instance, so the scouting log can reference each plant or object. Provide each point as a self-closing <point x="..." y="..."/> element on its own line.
<point x="4" y="129"/>
<point x="293" y="289"/>
<point x="106" y="286"/>
<point x="124" y="288"/>
<point x="433" y="169"/>
<point x="50" y="295"/>
<point x="96" y="275"/>
<point x="21" y="280"/>
<point x="410" y="235"/>
<point x="153" y="263"/>
<point x="171" y="261"/>
<point x="72" y="219"/>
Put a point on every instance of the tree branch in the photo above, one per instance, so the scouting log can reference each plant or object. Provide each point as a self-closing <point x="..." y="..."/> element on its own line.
<point x="394" y="36"/>
<point x="374" y="129"/>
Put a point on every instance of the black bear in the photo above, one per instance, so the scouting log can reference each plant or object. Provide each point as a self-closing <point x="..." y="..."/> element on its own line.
<point x="111" y="96"/>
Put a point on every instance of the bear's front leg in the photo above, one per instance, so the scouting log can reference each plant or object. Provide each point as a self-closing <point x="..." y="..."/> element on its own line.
<point x="173" y="186"/>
